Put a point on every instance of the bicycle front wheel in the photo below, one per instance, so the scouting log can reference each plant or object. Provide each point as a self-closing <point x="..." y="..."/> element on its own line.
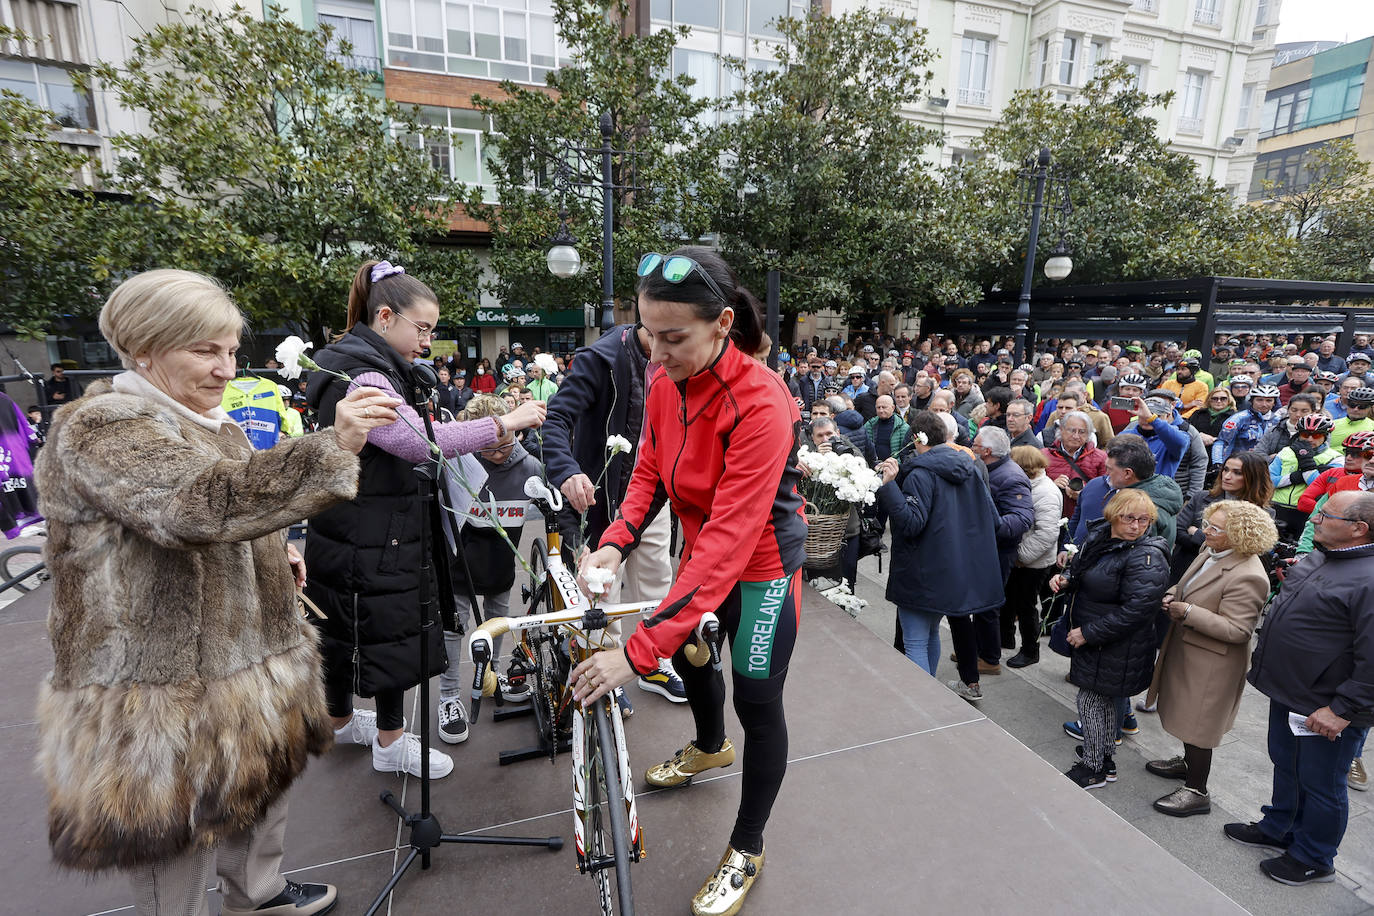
<point x="608" y="840"/>
<point x="25" y="566"/>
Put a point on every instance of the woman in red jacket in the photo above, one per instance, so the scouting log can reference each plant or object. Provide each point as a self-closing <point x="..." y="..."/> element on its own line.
<point x="719" y="443"/>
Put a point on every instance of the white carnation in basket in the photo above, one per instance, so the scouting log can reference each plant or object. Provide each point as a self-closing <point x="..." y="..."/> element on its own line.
<point x="842" y="597"/>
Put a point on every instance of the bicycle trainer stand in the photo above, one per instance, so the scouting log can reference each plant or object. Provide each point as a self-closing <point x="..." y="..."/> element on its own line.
<point x="425" y="830"/>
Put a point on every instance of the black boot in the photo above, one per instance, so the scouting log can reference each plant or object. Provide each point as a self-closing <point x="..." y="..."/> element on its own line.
<point x="1023" y="658"/>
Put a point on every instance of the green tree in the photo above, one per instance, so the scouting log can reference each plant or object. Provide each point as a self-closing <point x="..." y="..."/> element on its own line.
<point x="1141" y="211"/>
<point x="274" y="167"/>
<point x="625" y="75"/>
<point x="820" y="167"/>
<point x="1329" y="212"/>
<point x="45" y="219"/>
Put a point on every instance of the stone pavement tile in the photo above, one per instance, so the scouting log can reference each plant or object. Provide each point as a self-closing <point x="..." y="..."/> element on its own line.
<point x="25" y="658"/>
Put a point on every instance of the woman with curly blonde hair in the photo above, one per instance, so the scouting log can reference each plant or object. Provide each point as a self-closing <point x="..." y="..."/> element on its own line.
<point x="1200" y="674"/>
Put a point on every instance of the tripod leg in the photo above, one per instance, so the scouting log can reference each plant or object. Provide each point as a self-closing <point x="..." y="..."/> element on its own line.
<point x="391" y="885"/>
<point x="553" y="843"/>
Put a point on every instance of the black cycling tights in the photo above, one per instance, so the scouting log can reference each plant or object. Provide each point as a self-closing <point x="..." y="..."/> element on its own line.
<point x="761" y="620"/>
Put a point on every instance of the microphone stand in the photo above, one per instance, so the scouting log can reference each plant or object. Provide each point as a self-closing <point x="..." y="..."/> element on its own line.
<point x="425" y="831"/>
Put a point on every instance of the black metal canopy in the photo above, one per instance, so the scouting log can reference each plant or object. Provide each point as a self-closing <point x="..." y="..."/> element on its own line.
<point x="1193" y="309"/>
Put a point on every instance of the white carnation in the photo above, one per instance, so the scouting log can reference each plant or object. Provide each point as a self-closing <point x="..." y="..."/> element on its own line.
<point x="546" y="362"/>
<point x="291" y="357"/>
<point x="598" y="580"/>
<point x="614" y="444"/>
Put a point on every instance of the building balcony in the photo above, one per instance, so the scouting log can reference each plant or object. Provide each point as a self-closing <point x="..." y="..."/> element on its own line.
<point x="978" y="98"/>
<point x="1145" y="6"/>
<point x="363" y="63"/>
<point x="1204" y="16"/>
<point x="1190" y="126"/>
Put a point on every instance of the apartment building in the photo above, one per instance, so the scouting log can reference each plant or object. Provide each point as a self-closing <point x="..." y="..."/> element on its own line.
<point x="1312" y="99"/>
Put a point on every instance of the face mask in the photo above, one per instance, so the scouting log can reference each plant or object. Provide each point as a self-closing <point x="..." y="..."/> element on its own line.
<point x="481" y="371"/>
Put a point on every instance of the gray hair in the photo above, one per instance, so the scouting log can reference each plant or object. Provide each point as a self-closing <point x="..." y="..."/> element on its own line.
<point x="162" y="310"/>
<point x="995" y="440"/>
<point x="886" y="376"/>
<point x="1023" y="404"/>
<point x="951" y="426"/>
<point x="822" y="422"/>
<point x="1087" y="422"/>
<point x="944" y="394"/>
<point x="835" y="403"/>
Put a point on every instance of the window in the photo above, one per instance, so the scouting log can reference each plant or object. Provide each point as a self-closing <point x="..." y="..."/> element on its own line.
<point x="1261" y="13"/>
<point x="1287" y="170"/>
<point x="705" y="13"/>
<point x="762" y="13"/>
<point x="1068" y="60"/>
<point x="974" y="71"/>
<point x="1044" y="62"/>
<point x="1247" y="101"/>
<point x="702" y="67"/>
<point x="453" y="139"/>
<point x="1137" y="70"/>
<point x="53" y="28"/>
<point x="360" y="35"/>
<point x="661" y="9"/>
<point x="495" y="39"/>
<point x="1324" y="99"/>
<point x="1097" y="53"/>
<point x="1194" y="102"/>
<point x="1207" y="12"/>
<point x="1145" y="6"/>
<point x="50" y="88"/>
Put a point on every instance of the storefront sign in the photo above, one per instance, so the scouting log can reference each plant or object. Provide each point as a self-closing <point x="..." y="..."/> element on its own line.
<point x="526" y="318"/>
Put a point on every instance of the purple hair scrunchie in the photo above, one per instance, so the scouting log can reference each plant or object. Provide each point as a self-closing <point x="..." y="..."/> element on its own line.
<point x="383" y="269"/>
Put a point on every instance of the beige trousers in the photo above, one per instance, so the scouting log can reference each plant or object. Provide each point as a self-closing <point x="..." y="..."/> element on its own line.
<point x="647" y="573"/>
<point x="248" y="865"/>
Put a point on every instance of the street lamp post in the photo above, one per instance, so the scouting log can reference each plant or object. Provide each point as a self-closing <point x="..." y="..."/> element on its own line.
<point x="574" y="172"/>
<point x="1059" y="264"/>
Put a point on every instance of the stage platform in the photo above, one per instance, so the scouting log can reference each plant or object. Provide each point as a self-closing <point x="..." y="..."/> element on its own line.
<point x="900" y="798"/>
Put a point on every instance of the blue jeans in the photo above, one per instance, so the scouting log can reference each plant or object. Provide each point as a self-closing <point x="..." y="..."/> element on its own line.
<point x="1311" y="803"/>
<point x="921" y="637"/>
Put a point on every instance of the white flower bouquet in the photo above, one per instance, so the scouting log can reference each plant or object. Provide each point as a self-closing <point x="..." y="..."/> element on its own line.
<point x="835" y="483"/>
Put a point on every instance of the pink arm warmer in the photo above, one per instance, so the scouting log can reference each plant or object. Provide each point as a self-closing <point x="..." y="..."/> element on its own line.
<point x="457" y="438"/>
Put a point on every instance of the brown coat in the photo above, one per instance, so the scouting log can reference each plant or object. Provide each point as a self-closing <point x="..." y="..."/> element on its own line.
<point x="1200" y="674"/>
<point x="185" y="694"/>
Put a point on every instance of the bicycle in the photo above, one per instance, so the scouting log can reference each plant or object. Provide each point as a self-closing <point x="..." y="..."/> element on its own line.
<point x="22" y="567"/>
<point x="563" y="627"/>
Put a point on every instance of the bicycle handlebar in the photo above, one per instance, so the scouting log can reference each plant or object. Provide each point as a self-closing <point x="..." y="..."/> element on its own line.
<point x="707" y="647"/>
<point x="537" y="489"/>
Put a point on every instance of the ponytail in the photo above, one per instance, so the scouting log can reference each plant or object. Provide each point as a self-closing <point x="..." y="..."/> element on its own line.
<point x="747" y="331"/>
<point x="378" y="283"/>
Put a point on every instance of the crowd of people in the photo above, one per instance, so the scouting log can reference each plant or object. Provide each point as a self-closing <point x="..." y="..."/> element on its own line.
<point x="1137" y="508"/>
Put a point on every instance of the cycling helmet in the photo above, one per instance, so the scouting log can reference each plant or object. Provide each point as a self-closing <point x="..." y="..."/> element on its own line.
<point x="1362" y="440"/>
<point x="1361" y="395"/>
<point x="1316" y="423"/>
<point x="1134" y="379"/>
<point x="512" y="372"/>
<point x="284" y="392"/>
<point x="1327" y="377"/>
<point x="1264" y="391"/>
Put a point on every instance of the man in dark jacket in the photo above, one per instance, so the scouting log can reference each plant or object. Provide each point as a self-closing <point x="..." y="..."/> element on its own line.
<point x="850" y="423"/>
<point x="1313" y="660"/>
<point x="1011" y="494"/>
<point x="603" y="395"/>
<point x="866" y="403"/>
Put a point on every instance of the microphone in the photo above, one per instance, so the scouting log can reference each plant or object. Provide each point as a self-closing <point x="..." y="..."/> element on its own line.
<point x="424" y="380"/>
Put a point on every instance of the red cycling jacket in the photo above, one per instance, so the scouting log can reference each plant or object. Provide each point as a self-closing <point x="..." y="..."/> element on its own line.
<point x="722" y="448"/>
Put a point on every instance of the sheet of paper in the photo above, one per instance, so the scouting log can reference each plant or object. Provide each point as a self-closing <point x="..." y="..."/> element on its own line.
<point x="1297" y="723"/>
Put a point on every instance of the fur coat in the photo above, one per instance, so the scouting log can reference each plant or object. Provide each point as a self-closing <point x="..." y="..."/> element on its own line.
<point x="185" y="694"/>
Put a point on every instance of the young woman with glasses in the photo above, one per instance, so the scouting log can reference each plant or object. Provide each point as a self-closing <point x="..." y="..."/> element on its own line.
<point x="719" y="444"/>
<point x="364" y="555"/>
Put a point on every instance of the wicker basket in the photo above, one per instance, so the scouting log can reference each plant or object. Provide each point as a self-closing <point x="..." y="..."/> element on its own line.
<point x="824" y="536"/>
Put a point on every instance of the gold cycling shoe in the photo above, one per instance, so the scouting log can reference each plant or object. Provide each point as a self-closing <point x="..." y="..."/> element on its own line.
<point x="688" y="762"/>
<point x="724" y="892"/>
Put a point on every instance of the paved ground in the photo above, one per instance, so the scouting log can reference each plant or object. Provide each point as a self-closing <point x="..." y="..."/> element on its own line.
<point x="1031" y="704"/>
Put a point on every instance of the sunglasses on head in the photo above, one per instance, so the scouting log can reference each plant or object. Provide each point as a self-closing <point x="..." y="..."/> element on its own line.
<point x="677" y="269"/>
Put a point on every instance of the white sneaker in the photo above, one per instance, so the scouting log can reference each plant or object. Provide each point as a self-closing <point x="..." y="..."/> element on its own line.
<point x="361" y="729"/>
<point x="1142" y="706"/>
<point x="403" y="756"/>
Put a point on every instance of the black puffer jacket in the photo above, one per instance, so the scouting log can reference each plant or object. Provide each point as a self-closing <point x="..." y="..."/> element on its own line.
<point x="1117" y="587"/>
<point x="364" y="555"/>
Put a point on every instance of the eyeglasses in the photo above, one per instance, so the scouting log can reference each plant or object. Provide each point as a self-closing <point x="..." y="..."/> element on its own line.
<point x="423" y="331"/>
<point x="1136" y="519"/>
<point x="1322" y="513"/>
<point x="677" y="269"/>
<point x="1213" y="528"/>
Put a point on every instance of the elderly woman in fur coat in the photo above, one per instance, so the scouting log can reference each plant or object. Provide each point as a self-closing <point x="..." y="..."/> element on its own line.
<point x="185" y="694"/>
